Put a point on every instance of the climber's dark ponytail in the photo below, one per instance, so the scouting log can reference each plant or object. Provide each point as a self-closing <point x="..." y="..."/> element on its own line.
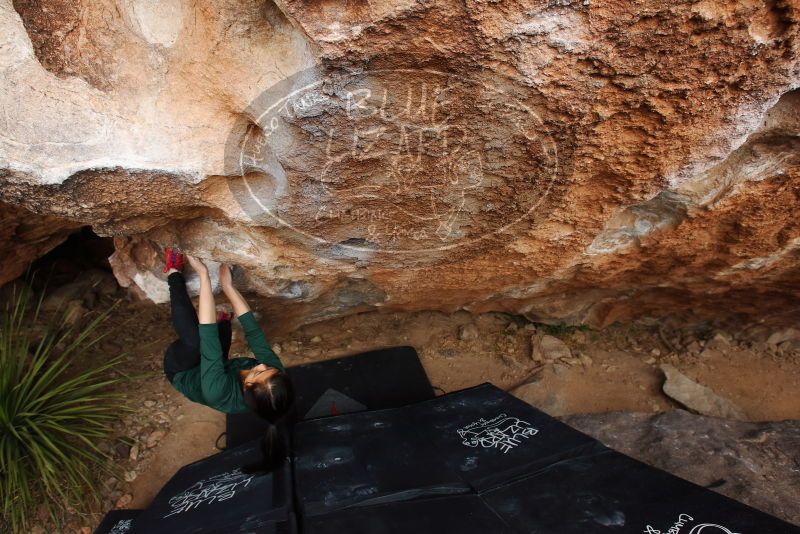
<point x="274" y="449"/>
<point x="271" y="401"/>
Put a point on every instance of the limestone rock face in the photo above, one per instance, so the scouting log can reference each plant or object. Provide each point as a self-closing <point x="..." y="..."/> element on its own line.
<point x="571" y="161"/>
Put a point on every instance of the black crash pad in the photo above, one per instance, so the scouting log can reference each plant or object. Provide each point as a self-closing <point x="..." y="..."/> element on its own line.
<point x="473" y="461"/>
<point x="385" y="378"/>
<point x="462" y="442"/>
<point x="490" y="437"/>
<point x="534" y="472"/>
<point x="367" y="457"/>
<point x="462" y="514"/>
<point x="117" y="522"/>
<point x="215" y="495"/>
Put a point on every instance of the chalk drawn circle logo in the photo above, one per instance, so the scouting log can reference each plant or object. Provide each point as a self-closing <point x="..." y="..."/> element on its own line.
<point x="395" y="160"/>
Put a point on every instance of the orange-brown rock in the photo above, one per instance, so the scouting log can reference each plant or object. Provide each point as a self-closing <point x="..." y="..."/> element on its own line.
<point x="571" y="161"/>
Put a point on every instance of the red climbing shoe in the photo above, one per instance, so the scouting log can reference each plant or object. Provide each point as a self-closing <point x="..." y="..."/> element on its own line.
<point x="174" y="259"/>
<point x="224" y="316"/>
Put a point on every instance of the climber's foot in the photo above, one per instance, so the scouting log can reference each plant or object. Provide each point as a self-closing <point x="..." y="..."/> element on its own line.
<point x="224" y="316"/>
<point x="173" y="261"/>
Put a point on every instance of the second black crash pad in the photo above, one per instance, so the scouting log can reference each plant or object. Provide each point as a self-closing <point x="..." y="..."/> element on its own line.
<point x="532" y="472"/>
<point x="490" y="437"/>
<point x="367" y="457"/>
<point x="461" y="514"/>
<point x="216" y="495"/>
<point x="385" y="378"/>
<point x="467" y="441"/>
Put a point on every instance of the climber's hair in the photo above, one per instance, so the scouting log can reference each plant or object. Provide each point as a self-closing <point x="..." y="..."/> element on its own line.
<point x="273" y="448"/>
<point x="271" y="401"/>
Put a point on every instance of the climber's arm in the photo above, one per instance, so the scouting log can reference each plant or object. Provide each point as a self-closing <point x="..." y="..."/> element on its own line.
<point x="216" y="385"/>
<point x="252" y="332"/>
<point x="258" y="342"/>
<point x="240" y="306"/>
<point x="208" y="312"/>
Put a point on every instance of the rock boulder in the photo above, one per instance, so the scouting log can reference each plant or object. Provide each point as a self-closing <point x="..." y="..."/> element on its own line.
<point x="569" y="161"/>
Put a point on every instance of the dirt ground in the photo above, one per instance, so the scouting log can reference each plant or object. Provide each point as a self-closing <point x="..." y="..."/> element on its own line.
<point x="616" y="369"/>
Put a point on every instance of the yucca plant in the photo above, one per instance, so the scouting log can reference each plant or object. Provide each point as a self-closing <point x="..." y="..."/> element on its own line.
<point x="53" y="412"/>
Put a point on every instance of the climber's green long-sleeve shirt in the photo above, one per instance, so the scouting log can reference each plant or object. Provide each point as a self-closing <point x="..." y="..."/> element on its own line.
<point x="215" y="382"/>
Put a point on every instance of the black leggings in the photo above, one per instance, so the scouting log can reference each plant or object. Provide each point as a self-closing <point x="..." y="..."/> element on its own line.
<point x="184" y="353"/>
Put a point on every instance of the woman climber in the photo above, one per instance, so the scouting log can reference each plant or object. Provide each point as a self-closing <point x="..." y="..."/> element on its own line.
<point x="197" y="363"/>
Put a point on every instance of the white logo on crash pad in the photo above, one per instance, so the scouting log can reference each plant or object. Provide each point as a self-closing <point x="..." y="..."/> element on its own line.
<point x="708" y="527"/>
<point x="122" y="526"/>
<point x="684" y="520"/>
<point x="213" y="489"/>
<point x="501" y="432"/>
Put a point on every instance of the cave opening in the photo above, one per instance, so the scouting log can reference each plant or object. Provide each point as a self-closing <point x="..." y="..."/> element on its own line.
<point x="81" y="252"/>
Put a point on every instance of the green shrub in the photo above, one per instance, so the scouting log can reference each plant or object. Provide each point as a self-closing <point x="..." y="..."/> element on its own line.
<point x="52" y="414"/>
